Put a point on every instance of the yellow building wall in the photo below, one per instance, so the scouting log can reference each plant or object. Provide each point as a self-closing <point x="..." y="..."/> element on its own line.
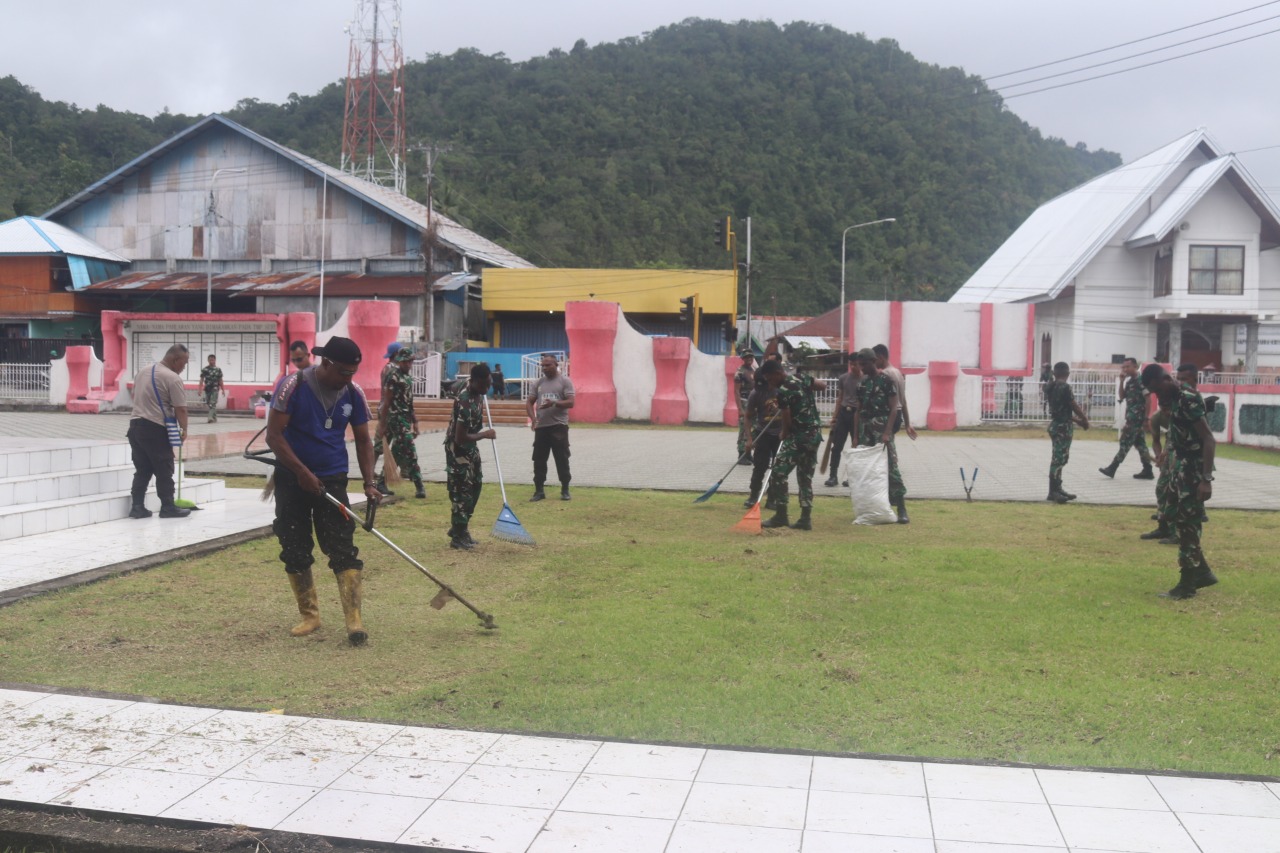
<point x="637" y="291"/>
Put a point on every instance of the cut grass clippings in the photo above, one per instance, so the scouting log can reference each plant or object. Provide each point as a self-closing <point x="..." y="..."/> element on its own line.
<point x="1000" y="631"/>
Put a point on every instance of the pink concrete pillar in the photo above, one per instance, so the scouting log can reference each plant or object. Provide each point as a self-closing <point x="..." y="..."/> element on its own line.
<point x="78" y="360"/>
<point x="592" y="328"/>
<point x="942" y="395"/>
<point x="731" y="365"/>
<point x="113" y="356"/>
<point x="372" y="325"/>
<point x="670" y="403"/>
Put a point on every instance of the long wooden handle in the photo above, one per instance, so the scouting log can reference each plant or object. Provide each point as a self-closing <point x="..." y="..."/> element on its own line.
<point x="826" y="456"/>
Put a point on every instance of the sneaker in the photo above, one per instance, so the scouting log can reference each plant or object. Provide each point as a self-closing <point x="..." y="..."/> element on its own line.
<point x="139" y="511"/>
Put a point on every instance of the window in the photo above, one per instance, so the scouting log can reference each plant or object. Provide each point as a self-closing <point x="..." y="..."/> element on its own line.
<point x="1217" y="269"/>
<point x="1164" y="271"/>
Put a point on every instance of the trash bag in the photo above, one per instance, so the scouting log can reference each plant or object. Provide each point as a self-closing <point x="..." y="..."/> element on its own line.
<point x="867" y="470"/>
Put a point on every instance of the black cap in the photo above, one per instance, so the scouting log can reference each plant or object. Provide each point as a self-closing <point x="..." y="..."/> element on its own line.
<point x="339" y="351"/>
<point x="1151" y="374"/>
<point x="1188" y="367"/>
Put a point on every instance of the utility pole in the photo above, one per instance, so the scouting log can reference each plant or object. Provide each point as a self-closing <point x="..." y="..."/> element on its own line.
<point x="748" y="281"/>
<point x="432" y="153"/>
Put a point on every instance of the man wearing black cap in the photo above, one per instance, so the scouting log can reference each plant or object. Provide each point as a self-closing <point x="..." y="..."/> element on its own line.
<point x="306" y="428"/>
<point x="1193" y="446"/>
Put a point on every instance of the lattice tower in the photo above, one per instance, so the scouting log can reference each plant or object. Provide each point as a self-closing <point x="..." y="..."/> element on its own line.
<point x="373" y="124"/>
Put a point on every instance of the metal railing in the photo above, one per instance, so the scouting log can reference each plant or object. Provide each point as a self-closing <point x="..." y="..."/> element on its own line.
<point x="426" y="376"/>
<point x="1215" y="378"/>
<point x="1021" y="400"/>
<point x="24" y="382"/>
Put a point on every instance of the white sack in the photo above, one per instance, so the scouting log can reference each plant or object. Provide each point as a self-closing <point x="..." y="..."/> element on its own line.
<point x="867" y="470"/>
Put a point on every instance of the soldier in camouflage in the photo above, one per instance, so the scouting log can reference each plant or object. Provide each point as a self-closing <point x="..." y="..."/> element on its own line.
<point x="1064" y="414"/>
<point x="462" y="456"/>
<point x="873" y="423"/>
<point x="744" y="381"/>
<point x="1194" y="447"/>
<point x="211" y="383"/>
<point x="397" y="420"/>
<point x="1166" y="492"/>
<point x="801" y="436"/>
<point x="387" y="369"/>
<point x="1133" y="433"/>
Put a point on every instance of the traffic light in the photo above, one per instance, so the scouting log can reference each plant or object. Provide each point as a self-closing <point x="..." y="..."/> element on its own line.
<point x="686" y="308"/>
<point x="722" y="232"/>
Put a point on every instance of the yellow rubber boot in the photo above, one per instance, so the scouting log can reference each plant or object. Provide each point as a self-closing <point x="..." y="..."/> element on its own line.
<point x="349" y="589"/>
<point x="304" y="589"/>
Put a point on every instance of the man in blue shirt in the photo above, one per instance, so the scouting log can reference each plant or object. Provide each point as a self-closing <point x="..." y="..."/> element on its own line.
<point x="307" y="430"/>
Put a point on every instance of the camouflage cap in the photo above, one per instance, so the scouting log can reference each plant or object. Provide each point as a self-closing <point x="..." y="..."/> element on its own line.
<point x="403" y="354"/>
<point x="865" y="354"/>
<point x="746" y="351"/>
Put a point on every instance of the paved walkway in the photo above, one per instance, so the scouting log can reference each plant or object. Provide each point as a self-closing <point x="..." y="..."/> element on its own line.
<point x="500" y="792"/>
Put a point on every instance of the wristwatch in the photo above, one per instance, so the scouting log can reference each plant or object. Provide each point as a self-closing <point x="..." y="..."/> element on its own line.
<point x="1208" y="478"/>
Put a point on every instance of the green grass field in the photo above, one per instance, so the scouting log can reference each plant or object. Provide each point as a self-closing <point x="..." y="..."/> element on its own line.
<point x="1015" y="632"/>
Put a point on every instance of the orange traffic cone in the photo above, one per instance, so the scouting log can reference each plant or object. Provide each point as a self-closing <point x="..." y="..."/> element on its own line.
<point x="751" y="521"/>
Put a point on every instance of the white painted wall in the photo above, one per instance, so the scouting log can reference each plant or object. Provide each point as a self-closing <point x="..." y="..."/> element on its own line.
<point x="1110" y="294"/>
<point x="634" y="375"/>
<point x="870" y="324"/>
<point x="938" y="331"/>
<point x="968" y="401"/>
<point x="1009" y="338"/>
<point x="706" y="386"/>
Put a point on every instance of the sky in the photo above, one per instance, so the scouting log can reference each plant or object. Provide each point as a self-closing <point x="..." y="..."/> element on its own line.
<point x="149" y="55"/>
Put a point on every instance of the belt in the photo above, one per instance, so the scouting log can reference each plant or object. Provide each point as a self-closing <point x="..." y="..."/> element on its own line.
<point x="850" y="408"/>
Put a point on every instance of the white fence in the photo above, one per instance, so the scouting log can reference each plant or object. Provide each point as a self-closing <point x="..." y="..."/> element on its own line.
<point x="426" y="376"/>
<point x="27" y="382"/>
<point x="1020" y="399"/>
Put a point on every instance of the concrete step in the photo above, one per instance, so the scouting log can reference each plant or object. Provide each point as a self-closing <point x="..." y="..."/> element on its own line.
<point x="506" y="412"/>
<point x="42" y="488"/>
<point x="29" y="519"/>
<point x="38" y="461"/>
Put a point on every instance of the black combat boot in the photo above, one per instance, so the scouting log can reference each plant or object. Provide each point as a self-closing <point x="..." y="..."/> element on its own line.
<point x="381" y="486"/>
<point x="804" y="522"/>
<point x="538" y="494"/>
<point x="751" y="500"/>
<point x="139" y="511"/>
<point x="1145" y="474"/>
<point x="1204" y="575"/>
<point x="564" y="493"/>
<point x="831" y="481"/>
<point x="901" y="507"/>
<point x="173" y="511"/>
<point x="1064" y="492"/>
<point x="1161" y="532"/>
<point x="421" y="490"/>
<point x="1110" y="470"/>
<point x="1186" y="587"/>
<point x="779" y="518"/>
<point x="1055" y="493"/>
<point x="461" y="540"/>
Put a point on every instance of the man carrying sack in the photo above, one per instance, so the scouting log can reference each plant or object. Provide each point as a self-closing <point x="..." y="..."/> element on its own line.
<point x="159" y="424"/>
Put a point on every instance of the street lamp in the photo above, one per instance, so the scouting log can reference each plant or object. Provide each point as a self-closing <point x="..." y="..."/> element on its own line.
<point x="842" y="244"/>
<point x="208" y="238"/>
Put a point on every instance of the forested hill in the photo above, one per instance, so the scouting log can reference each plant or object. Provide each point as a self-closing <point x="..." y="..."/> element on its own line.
<point x="624" y="154"/>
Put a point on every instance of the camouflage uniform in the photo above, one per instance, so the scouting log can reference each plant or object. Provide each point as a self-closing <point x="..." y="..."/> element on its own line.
<point x="462" y="461"/>
<point x="397" y="387"/>
<point x="1062" y="428"/>
<point x="211" y="381"/>
<point x="799" y="450"/>
<point x="387" y="370"/>
<point x="1133" y="433"/>
<point x="1188" y="474"/>
<point x="875" y="399"/>
<point x="743" y="383"/>
<point x="1166" y="488"/>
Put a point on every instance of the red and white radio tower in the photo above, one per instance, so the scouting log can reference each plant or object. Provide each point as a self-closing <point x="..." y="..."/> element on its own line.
<point x="373" y="131"/>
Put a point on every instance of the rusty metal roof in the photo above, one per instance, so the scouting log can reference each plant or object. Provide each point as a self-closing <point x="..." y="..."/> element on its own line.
<point x="263" y="284"/>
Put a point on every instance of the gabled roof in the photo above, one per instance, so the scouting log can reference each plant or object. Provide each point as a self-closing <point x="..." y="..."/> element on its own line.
<point x="411" y="213"/>
<point x="27" y="235"/>
<point x="1174" y="209"/>
<point x="1064" y="234"/>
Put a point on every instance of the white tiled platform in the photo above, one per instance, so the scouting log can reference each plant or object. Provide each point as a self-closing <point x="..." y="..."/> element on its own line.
<point x="497" y="792"/>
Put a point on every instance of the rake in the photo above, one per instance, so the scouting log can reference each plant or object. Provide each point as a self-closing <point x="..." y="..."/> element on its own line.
<point x="446" y="592"/>
<point x="706" y="496"/>
<point x="507" y="527"/>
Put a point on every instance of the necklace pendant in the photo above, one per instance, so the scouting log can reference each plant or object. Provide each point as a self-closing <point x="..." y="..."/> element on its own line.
<point x="328" y="423"/>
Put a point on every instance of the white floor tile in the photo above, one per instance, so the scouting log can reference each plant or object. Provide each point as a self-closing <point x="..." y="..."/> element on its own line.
<point x="472" y="826"/>
<point x="408" y="777"/>
<point x="627" y="795"/>
<point x="1233" y="834"/>
<point x="68" y="710"/>
<point x="261" y="805"/>
<point x="1218" y="796"/>
<point x="18" y="737"/>
<point x="869" y="814"/>
<point x="1101" y="790"/>
<point x="511" y="786"/>
<point x="747" y="805"/>
<point x="245" y="726"/>
<point x="94" y="746"/>
<point x="696" y="837"/>
<point x="352" y="814"/>
<point x="156" y="719"/>
<point x="200" y="756"/>
<point x="756" y="768"/>
<point x="539" y="753"/>
<point x="31" y="780"/>
<point x="975" y="782"/>
<point x="339" y="735"/>
<point x="132" y="791"/>
<point x="983" y="847"/>
<point x="1002" y="823"/>
<point x="868" y="776"/>
<point x="836" y="842"/>
<point x="570" y="832"/>
<point x="315" y="767"/>
<point x="1129" y="830"/>
<point x="654" y="762"/>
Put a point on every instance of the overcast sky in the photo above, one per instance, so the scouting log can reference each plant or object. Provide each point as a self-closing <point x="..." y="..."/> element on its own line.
<point x="199" y="58"/>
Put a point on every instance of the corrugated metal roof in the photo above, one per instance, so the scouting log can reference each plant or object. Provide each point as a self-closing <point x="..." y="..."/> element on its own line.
<point x="27" y="235"/>
<point x="1063" y="235"/>
<point x="408" y="211"/>
<point x="815" y="342"/>
<point x="264" y="284"/>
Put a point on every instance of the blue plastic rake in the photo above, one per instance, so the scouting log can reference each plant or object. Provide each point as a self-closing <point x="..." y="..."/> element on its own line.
<point x="507" y="527"/>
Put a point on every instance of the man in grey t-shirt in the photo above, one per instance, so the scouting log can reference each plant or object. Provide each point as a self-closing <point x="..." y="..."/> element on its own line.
<point x="158" y="393"/>
<point x="842" y="418"/>
<point x="548" y="406"/>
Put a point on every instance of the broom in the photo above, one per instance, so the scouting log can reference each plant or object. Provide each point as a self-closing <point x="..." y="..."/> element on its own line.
<point x="507" y="527"/>
<point x="179" y="501"/>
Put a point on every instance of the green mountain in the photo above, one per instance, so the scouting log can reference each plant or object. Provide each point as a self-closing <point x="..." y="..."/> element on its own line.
<point x="625" y="154"/>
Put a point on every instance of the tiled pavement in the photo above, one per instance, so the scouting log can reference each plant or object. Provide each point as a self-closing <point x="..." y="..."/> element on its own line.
<point x="498" y="792"/>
